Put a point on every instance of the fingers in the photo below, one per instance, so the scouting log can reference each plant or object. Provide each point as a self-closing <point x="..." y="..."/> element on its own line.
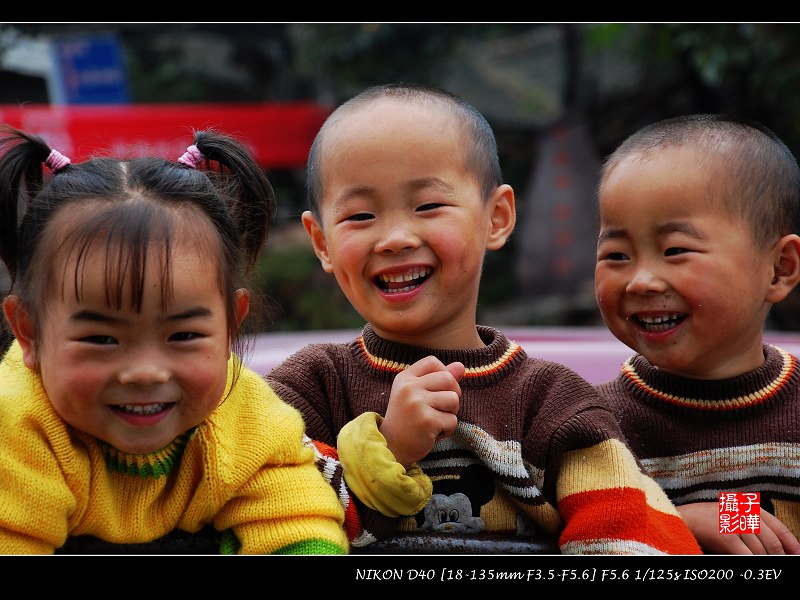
<point x="431" y="382"/>
<point x="758" y="543"/>
<point x="457" y="370"/>
<point x="776" y="537"/>
<point x="422" y="408"/>
<point x="447" y="425"/>
<point x="431" y="365"/>
<point x="773" y="538"/>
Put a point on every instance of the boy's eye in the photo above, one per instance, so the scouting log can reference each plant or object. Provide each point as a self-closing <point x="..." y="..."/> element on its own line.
<point x="429" y="206"/>
<point x="360" y="217"/>
<point x="614" y="256"/>
<point x="674" y="251"/>
<point x="100" y="340"/>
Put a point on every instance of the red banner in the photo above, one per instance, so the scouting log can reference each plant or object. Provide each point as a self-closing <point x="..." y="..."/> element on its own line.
<point x="278" y="134"/>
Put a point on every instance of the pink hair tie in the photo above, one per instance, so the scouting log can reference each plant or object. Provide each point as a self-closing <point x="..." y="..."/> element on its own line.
<point x="56" y="161"/>
<point x="192" y="157"/>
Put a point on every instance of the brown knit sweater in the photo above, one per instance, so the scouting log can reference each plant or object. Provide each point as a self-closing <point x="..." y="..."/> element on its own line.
<point x="536" y="448"/>
<point x="698" y="438"/>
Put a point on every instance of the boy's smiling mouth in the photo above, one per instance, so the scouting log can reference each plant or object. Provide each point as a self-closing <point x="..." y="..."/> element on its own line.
<point x="663" y="322"/>
<point x="403" y="282"/>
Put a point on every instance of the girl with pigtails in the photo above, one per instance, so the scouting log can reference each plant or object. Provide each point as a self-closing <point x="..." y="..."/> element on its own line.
<point x="126" y="413"/>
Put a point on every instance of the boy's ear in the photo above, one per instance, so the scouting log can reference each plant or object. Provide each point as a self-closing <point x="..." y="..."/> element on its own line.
<point x="503" y="217"/>
<point x="22" y="327"/>
<point x="786" y="268"/>
<point x="314" y="230"/>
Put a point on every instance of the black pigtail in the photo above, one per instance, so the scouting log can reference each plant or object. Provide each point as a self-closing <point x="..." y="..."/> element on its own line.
<point x="21" y="178"/>
<point x="249" y="191"/>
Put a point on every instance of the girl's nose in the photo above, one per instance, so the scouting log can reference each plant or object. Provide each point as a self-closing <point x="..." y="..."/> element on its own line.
<point x="144" y="368"/>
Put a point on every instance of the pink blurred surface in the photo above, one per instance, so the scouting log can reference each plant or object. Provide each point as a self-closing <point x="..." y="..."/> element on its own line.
<point x="592" y="352"/>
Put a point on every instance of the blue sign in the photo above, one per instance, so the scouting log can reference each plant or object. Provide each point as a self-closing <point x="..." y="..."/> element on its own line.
<point x="89" y="69"/>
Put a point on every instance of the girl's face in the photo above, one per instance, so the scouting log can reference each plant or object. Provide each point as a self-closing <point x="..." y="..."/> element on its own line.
<point x="136" y="380"/>
<point x="404" y="226"/>
<point x="678" y="277"/>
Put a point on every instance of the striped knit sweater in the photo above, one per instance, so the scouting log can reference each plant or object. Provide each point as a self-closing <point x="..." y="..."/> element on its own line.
<point x="247" y="469"/>
<point x="537" y="450"/>
<point x="698" y="438"/>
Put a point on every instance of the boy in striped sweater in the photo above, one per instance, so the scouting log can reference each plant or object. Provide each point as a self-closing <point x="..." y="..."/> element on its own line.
<point x="698" y="222"/>
<point x="444" y="426"/>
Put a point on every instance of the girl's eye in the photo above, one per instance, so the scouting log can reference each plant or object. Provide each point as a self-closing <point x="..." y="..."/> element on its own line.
<point x="184" y="336"/>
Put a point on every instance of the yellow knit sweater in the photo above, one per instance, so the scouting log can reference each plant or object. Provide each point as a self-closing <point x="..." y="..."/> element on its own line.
<point x="244" y="468"/>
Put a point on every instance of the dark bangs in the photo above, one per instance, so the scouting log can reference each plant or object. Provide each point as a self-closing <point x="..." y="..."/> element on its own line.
<point x="121" y="234"/>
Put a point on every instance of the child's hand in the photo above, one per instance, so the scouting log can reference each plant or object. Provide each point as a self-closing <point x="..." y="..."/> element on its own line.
<point x="774" y="538"/>
<point x="422" y="408"/>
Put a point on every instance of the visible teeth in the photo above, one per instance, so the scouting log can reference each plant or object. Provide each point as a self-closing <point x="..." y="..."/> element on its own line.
<point x="142" y="409"/>
<point x="659" y="322"/>
<point x="408" y="288"/>
<point x="410" y="276"/>
<point x="661" y="319"/>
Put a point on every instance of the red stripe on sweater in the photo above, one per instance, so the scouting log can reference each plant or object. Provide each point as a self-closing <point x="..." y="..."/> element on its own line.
<point x="352" y="522"/>
<point x="623" y="514"/>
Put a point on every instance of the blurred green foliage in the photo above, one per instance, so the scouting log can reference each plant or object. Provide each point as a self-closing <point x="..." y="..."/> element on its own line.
<point x="298" y="294"/>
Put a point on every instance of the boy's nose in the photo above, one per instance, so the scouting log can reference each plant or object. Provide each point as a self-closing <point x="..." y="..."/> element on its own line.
<point x="396" y="239"/>
<point x="645" y="281"/>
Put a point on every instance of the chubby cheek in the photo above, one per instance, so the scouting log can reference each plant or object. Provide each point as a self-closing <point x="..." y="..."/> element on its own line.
<point x="348" y="255"/>
<point x="707" y="290"/>
<point x="72" y="390"/>
<point x="604" y="294"/>
<point x="204" y="387"/>
<point x="465" y="258"/>
<point x="351" y="262"/>
<point x="73" y="376"/>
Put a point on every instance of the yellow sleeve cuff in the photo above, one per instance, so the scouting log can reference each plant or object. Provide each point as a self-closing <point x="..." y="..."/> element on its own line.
<point x="372" y="473"/>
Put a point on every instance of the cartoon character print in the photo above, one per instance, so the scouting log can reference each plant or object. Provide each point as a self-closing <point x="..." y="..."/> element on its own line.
<point x="450" y="514"/>
<point x="455" y="504"/>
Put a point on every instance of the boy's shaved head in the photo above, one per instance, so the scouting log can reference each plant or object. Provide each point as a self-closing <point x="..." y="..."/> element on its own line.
<point x="480" y="145"/>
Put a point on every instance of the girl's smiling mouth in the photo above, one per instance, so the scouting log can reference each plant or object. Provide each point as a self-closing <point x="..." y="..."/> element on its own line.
<point x="142" y="409"/>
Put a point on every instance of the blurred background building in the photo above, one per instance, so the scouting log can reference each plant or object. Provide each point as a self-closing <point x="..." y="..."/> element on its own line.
<point x="560" y="97"/>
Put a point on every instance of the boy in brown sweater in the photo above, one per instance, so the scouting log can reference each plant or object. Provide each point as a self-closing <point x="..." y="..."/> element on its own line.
<point x="698" y="222"/>
<point x="444" y="426"/>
